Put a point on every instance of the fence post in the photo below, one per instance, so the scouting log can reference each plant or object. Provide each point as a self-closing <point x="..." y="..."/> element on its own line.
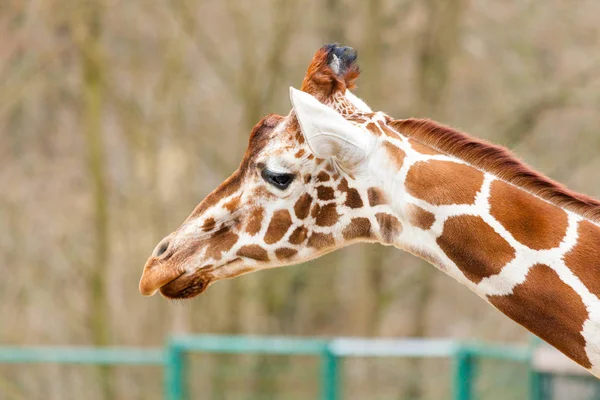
<point x="174" y="379"/>
<point x="535" y="387"/>
<point x="329" y="372"/>
<point x="463" y="374"/>
<point x="535" y="378"/>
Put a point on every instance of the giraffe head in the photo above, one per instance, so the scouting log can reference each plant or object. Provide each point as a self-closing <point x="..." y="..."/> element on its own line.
<point x="301" y="190"/>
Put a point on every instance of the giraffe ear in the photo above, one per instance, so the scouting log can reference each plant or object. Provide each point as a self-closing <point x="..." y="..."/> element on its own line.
<point x="328" y="134"/>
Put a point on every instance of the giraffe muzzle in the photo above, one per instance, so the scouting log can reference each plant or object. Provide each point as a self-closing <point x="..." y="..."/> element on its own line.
<point x="155" y="276"/>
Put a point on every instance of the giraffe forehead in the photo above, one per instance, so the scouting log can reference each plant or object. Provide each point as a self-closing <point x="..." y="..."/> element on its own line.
<point x="283" y="155"/>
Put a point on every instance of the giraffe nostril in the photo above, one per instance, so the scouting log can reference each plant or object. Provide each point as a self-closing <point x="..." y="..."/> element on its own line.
<point x="161" y="248"/>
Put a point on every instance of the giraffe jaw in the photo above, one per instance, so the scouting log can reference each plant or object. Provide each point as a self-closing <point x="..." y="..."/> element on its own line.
<point x="185" y="286"/>
<point x="191" y="284"/>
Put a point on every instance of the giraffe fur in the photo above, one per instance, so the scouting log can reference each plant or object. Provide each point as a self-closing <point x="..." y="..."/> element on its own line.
<point x="333" y="172"/>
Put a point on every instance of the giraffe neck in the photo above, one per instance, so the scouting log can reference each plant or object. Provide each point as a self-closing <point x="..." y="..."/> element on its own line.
<point x="534" y="261"/>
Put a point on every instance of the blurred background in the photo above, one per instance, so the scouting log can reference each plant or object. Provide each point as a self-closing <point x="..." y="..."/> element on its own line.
<point x="118" y="116"/>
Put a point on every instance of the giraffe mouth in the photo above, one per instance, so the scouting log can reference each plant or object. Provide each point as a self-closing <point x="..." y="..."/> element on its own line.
<point x="188" y="285"/>
<point x="185" y="286"/>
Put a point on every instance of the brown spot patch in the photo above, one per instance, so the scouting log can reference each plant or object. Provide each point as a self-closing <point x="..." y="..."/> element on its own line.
<point x="353" y="199"/>
<point x="355" y="118"/>
<point x="285" y="253"/>
<point x="498" y="161"/>
<point x="388" y="132"/>
<point x="253" y="251"/>
<point x="584" y="258"/>
<point x="255" y="221"/>
<point x="389" y="227"/>
<point x="358" y="228"/>
<point x="395" y="154"/>
<point x="307" y="178"/>
<point x="315" y="210"/>
<point x="222" y="240"/>
<point x="444" y="182"/>
<point x="376" y="196"/>
<point x="209" y="224"/>
<point x="343" y="186"/>
<point x="324" y="193"/>
<point x="421" y="148"/>
<point x="321" y="240"/>
<point x="532" y="221"/>
<point x="372" y="127"/>
<point x="300" y="153"/>
<point x="327" y="215"/>
<point x="233" y="204"/>
<point x="550" y="308"/>
<point x="262" y="192"/>
<point x="323" y="177"/>
<point x="302" y="206"/>
<point x="476" y="249"/>
<point x="280" y="223"/>
<point x="299" y="235"/>
<point x="420" y="218"/>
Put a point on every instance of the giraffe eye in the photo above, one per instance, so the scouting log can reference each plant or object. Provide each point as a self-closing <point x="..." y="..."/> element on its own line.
<point x="279" y="180"/>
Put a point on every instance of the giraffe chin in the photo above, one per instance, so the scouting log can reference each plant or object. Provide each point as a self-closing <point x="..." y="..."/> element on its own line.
<point x="189" y="285"/>
<point x="185" y="286"/>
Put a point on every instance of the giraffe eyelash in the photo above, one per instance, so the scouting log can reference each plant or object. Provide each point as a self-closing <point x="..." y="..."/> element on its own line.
<point x="280" y="180"/>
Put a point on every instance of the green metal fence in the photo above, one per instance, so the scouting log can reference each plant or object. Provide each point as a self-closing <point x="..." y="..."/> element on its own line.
<point x="465" y="380"/>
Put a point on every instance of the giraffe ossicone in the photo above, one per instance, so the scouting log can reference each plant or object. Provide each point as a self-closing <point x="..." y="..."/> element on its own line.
<point x="333" y="172"/>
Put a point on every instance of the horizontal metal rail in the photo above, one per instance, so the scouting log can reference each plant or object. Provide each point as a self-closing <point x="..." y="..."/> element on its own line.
<point x="172" y="358"/>
<point x="517" y="353"/>
<point x="82" y="355"/>
<point x="250" y="344"/>
<point x="354" y="347"/>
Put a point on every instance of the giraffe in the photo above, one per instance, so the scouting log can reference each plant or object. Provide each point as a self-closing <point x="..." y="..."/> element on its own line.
<point x="333" y="172"/>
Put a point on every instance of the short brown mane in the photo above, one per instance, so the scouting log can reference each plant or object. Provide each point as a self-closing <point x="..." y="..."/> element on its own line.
<point x="498" y="161"/>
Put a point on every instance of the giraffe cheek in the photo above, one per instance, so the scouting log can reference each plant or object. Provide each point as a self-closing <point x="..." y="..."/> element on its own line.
<point x="302" y="206"/>
<point x="255" y="221"/>
<point x="299" y="235"/>
<point x="222" y="241"/>
<point x="254" y="252"/>
<point x="279" y="225"/>
<point x="326" y="215"/>
<point x="285" y="253"/>
<point x="358" y="228"/>
<point x="321" y="241"/>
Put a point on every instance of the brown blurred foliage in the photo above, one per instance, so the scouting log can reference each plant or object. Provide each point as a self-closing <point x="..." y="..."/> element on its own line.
<point x="117" y="117"/>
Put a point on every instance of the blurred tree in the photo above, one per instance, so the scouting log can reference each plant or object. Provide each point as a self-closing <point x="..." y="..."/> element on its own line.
<point x="439" y="39"/>
<point x="87" y="30"/>
<point x="115" y="125"/>
<point x="333" y="21"/>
